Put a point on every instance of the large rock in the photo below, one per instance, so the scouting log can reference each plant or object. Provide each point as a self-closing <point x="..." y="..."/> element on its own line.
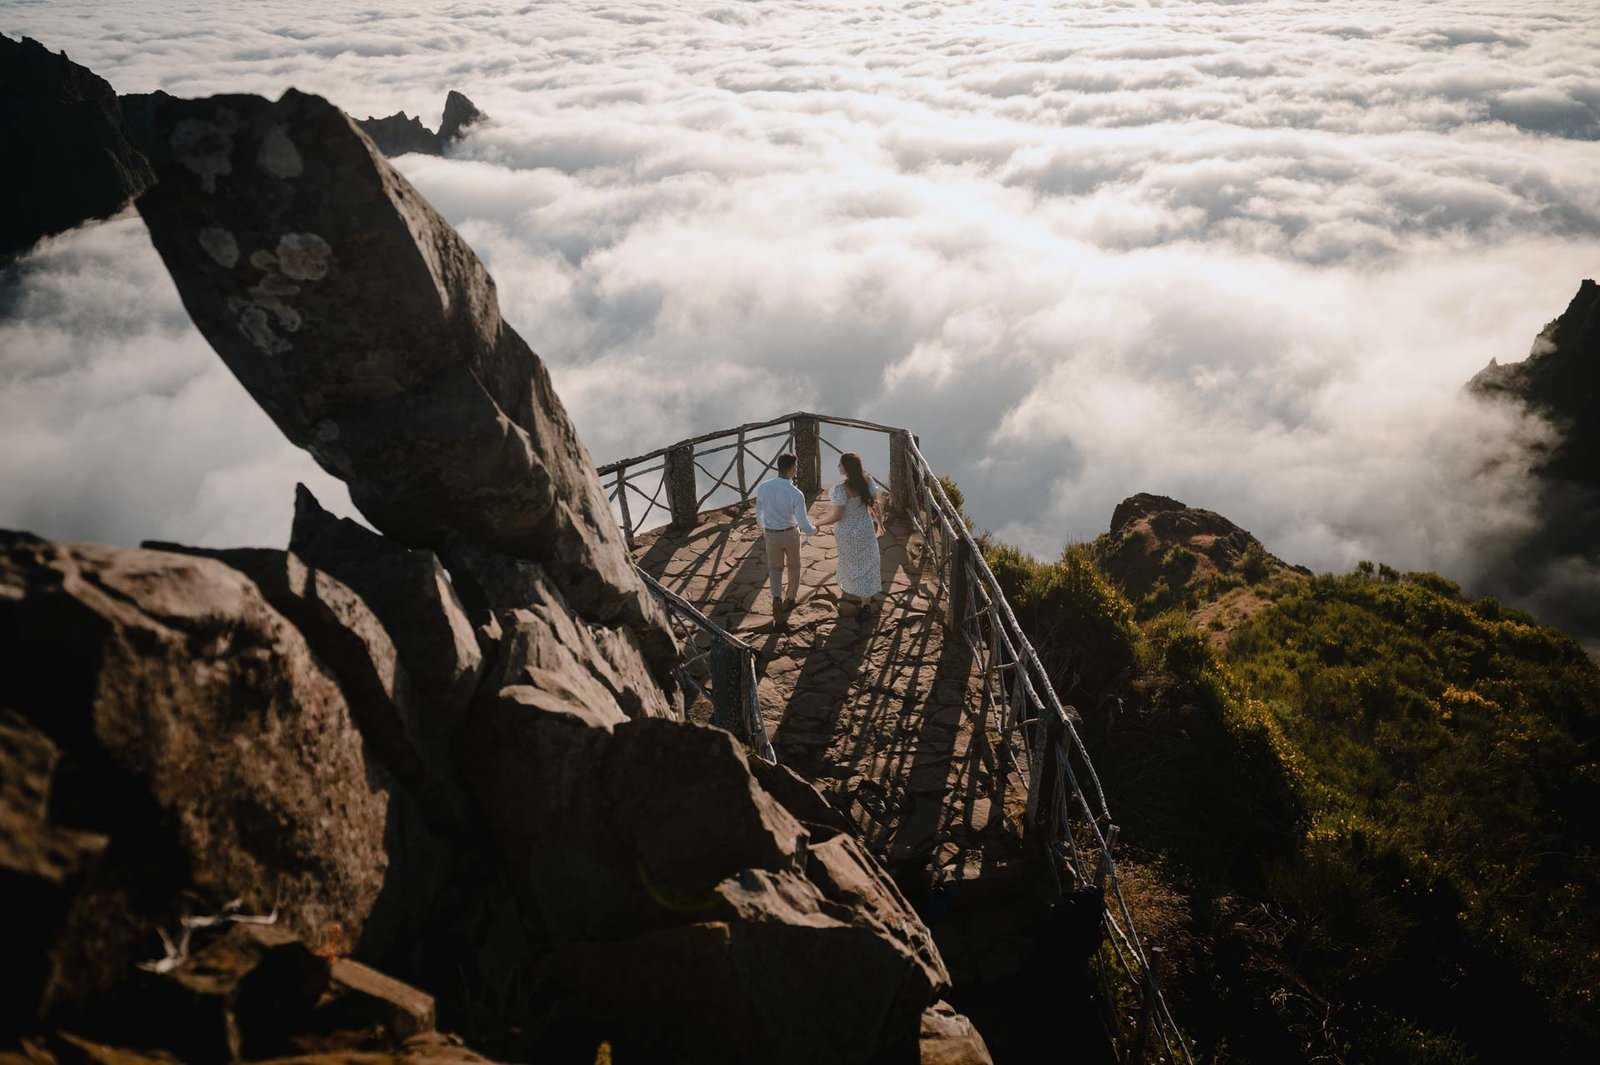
<point x="411" y="595"/>
<point x="370" y="332"/>
<point x="199" y="734"/>
<point x="696" y="919"/>
<point x="612" y="826"/>
<point x="413" y="744"/>
<point x="854" y="977"/>
<point x="545" y="644"/>
<point x="67" y="156"/>
<point x="41" y="866"/>
<point x="948" y="1038"/>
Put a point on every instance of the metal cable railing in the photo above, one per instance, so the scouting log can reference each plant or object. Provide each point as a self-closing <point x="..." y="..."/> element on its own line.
<point x="1038" y="737"/>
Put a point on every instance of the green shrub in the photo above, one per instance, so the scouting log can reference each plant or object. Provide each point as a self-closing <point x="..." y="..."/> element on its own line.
<point x="1081" y="626"/>
<point x="1447" y="746"/>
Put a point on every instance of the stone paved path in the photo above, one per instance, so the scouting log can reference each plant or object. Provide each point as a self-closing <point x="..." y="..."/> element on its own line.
<point x="878" y="714"/>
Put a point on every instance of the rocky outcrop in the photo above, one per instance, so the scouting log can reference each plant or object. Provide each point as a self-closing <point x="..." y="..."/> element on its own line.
<point x="1162" y="553"/>
<point x="411" y="738"/>
<point x="459" y="113"/>
<point x="253" y="992"/>
<point x="414" y="599"/>
<point x="402" y="134"/>
<point x="445" y="748"/>
<point x="843" y="918"/>
<point x="1560" y="379"/>
<point x="1554" y="569"/>
<point x="68" y="158"/>
<point x="240" y="736"/>
<point x="201" y="754"/>
<point x="1139" y="505"/>
<point x="371" y="334"/>
<point x="948" y="1038"/>
<point x="139" y="117"/>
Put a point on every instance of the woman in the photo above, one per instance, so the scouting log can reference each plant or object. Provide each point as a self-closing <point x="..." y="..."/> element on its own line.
<point x="858" y="513"/>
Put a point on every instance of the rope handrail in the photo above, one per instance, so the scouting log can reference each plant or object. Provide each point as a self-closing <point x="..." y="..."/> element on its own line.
<point x="1031" y="711"/>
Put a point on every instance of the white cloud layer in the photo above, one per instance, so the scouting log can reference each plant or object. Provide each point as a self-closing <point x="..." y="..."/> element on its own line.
<point x="1243" y="254"/>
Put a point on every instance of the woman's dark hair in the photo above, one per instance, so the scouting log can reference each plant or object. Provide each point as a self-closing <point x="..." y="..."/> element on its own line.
<point x="855" y="477"/>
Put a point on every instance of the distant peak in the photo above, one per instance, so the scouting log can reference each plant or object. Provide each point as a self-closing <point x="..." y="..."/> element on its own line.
<point x="459" y="113"/>
<point x="400" y="133"/>
<point x="1140" y="504"/>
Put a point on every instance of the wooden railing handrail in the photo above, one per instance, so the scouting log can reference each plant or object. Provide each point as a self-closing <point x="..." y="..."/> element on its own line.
<point x="691" y="612"/>
<point x="748" y="427"/>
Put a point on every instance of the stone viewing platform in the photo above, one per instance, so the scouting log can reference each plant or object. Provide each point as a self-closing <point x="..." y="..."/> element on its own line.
<point x="931" y="728"/>
<point x="879" y="714"/>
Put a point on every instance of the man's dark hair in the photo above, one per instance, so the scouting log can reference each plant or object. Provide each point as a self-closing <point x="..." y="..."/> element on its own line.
<point x="786" y="463"/>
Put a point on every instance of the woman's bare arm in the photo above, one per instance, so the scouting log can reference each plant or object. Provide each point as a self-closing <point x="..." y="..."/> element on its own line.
<point x="835" y="512"/>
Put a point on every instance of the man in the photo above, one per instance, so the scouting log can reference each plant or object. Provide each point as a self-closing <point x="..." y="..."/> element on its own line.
<point x="781" y="510"/>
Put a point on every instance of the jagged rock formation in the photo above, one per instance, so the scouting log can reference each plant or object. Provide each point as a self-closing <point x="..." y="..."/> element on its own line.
<point x="449" y="748"/>
<point x="459" y="113"/>
<point x="1560" y="378"/>
<point x="68" y="158"/>
<point x="139" y="117"/>
<point x="400" y="133"/>
<point x="368" y="330"/>
<point x="1162" y="553"/>
<point x="1555" y="569"/>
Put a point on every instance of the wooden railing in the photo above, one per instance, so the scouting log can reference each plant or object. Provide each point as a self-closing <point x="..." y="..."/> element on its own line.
<point x="674" y="484"/>
<point x="1067" y="820"/>
<point x="718" y="665"/>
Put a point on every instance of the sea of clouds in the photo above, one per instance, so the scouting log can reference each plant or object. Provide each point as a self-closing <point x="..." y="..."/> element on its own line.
<point x="1244" y="254"/>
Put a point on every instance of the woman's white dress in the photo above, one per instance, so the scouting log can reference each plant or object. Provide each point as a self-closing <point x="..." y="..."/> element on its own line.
<point x="859" y="569"/>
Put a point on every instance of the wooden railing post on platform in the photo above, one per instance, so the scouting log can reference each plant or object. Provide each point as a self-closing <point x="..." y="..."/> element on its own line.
<point x="727" y="689"/>
<point x="622" y="505"/>
<point x="957" y="592"/>
<point x="808" y="450"/>
<point x="682" y="499"/>
<point x="738" y="459"/>
<point x="1042" y="790"/>
<point x="900" y="475"/>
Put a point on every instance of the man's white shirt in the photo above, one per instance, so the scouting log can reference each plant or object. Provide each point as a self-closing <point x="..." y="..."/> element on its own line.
<point x="780" y="505"/>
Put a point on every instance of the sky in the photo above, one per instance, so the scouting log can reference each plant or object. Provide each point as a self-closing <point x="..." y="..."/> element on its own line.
<point x="1243" y="254"/>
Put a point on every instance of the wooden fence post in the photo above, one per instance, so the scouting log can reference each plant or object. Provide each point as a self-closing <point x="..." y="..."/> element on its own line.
<point x="738" y="458"/>
<point x="727" y="689"/>
<point x="1046" y="782"/>
<point x="956" y="590"/>
<point x="622" y="505"/>
<point x="900" y="473"/>
<point x="682" y="497"/>
<point x="808" y="450"/>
